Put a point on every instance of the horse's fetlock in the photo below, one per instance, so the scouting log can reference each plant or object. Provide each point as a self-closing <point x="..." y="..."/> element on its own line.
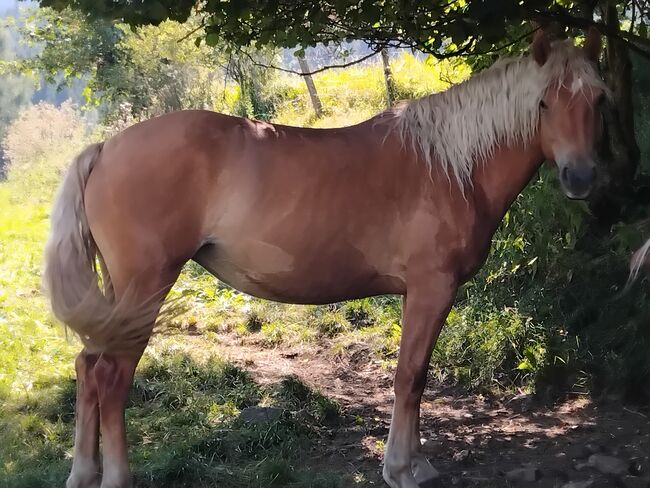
<point x="84" y="474"/>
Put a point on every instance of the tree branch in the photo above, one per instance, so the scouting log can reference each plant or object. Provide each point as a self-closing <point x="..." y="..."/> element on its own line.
<point x="636" y="43"/>
<point x="313" y="72"/>
<point x="193" y="31"/>
<point x="465" y="50"/>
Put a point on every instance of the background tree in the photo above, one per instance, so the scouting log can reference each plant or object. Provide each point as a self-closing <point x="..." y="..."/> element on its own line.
<point x="136" y="73"/>
<point x="480" y="29"/>
<point x="311" y="87"/>
<point x="388" y="78"/>
<point x="15" y="92"/>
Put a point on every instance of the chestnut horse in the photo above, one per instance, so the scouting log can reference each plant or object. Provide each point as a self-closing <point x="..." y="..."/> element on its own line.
<point x="405" y="203"/>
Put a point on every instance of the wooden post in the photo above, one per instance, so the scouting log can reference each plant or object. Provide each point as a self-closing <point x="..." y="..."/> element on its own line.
<point x="388" y="78"/>
<point x="311" y="88"/>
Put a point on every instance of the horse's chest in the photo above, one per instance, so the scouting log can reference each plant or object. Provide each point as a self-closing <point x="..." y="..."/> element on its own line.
<point x="475" y="248"/>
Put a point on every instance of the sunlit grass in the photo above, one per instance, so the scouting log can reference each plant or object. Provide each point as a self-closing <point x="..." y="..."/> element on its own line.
<point x="34" y="348"/>
<point x="36" y="360"/>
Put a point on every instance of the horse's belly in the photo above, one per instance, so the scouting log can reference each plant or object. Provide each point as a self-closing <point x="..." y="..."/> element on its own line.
<point x="267" y="271"/>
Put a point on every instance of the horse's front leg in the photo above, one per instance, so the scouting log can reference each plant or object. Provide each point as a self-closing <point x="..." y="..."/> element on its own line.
<point x="424" y="314"/>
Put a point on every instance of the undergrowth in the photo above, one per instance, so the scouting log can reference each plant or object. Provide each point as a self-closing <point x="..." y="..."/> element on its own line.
<point x="184" y="429"/>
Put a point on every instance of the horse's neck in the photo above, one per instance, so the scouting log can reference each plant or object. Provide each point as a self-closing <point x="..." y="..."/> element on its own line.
<point x="498" y="182"/>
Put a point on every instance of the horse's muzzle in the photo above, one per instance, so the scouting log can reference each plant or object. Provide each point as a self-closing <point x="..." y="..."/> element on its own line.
<point x="577" y="178"/>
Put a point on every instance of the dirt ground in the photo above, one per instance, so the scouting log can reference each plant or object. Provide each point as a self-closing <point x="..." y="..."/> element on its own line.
<point x="471" y="439"/>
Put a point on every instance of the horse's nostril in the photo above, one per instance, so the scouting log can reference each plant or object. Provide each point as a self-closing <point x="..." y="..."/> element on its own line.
<point x="564" y="174"/>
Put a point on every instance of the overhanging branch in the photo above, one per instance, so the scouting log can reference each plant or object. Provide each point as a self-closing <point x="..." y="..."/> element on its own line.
<point x="313" y="72"/>
<point x="636" y="43"/>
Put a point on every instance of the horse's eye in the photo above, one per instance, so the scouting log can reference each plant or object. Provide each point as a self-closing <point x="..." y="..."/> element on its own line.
<point x="600" y="101"/>
<point x="542" y="105"/>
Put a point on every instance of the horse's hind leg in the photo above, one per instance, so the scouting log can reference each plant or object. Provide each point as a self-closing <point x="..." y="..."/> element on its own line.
<point x="85" y="464"/>
<point x="114" y="375"/>
<point x="102" y="383"/>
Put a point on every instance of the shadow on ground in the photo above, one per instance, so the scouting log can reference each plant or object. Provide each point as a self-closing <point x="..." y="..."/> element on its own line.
<point x="472" y="440"/>
<point x="325" y="419"/>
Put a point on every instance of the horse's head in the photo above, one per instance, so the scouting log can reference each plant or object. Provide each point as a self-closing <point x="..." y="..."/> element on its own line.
<point x="570" y="118"/>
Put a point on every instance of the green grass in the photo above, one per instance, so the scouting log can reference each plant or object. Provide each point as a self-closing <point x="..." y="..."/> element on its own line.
<point x="187" y="414"/>
<point x="183" y="428"/>
<point x="36" y="363"/>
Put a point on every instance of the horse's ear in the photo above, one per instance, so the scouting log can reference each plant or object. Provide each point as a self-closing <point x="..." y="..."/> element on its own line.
<point x="593" y="44"/>
<point x="541" y="47"/>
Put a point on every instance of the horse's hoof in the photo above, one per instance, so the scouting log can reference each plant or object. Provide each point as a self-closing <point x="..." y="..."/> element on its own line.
<point x="404" y="479"/>
<point x="424" y="473"/>
<point x="76" y="480"/>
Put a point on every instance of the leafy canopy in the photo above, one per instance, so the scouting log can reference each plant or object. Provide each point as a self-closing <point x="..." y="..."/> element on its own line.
<point x="442" y="27"/>
<point x="424" y="25"/>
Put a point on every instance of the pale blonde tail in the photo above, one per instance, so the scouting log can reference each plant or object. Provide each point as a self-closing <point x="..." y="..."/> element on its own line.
<point x="71" y="279"/>
<point x="639" y="259"/>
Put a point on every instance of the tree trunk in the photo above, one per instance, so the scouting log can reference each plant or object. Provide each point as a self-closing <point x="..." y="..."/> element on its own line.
<point x="619" y="151"/>
<point x="311" y="88"/>
<point x="391" y="91"/>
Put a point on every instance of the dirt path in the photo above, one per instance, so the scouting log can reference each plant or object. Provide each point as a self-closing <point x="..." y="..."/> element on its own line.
<point x="472" y="440"/>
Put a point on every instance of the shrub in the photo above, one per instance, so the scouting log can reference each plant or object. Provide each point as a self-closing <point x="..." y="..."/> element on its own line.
<point x="490" y="348"/>
<point x="41" y="130"/>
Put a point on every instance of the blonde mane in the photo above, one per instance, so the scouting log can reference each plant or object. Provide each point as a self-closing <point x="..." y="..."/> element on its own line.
<point x="460" y="127"/>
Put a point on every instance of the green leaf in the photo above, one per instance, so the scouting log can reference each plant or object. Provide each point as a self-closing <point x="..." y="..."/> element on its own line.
<point x="524" y="365"/>
<point x="87" y="94"/>
<point x="157" y="12"/>
<point x="212" y="39"/>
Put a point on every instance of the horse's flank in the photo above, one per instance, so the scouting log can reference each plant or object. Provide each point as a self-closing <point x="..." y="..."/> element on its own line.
<point x="299" y="215"/>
